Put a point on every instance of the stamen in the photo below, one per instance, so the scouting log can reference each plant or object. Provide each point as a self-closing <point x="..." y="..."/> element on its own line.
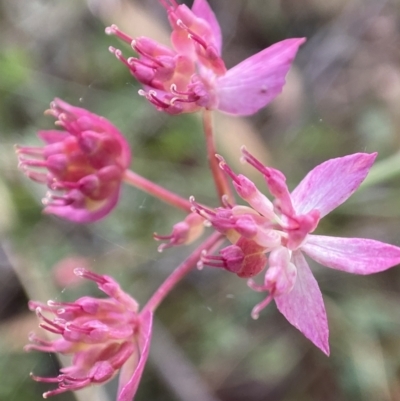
<point x="201" y="210"/>
<point x="56" y="200"/>
<point x="65" y="386"/>
<point x="33" y="305"/>
<point x="200" y="265"/>
<point x="177" y="99"/>
<point x="41" y="348"/>
<point x="52" y="111"/>
<point x="34" y="338"/>
<point x="140" y="51"/>
<point x="162" y="237"/>
<point x="73" y="327"/>
<point x="151" y="96"/>
<point x="114" y="30"/>
<point x="175" y="91"/>
<point x="51" y="329"/>
<point x="118" y="54"/>
<point x="161" y="248"/>
<point x="224" y="167"/>
<point x="225" y="202"/>
<point x="213" y="261"/>
<point x="54" y="304"/>
<point x="42" y="178"/>
<point x="40" y="379"/>
<point x="192" y="35"/>
<point x="82" y="272"/>
<point x="53" y="326"/>
<point x="76" y="381"/>
<point x="63" y="185"/>
<point x="32" y="163"/>
<point x="260" y="306"/>
<point x="40" y="345"/>
<point x="132" y="61"/>
<point x="257" y="287"/>
<point x="28" y="150"/>
<point x="249" y="158"/>
<point x="57" y="391"/>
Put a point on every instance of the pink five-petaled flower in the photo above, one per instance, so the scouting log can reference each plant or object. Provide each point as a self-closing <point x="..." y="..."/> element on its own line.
<point x="283" y="228"/>
<point x="85" y="164"/>
<point x="193" y="75"/>
<point x="103" y="335"/>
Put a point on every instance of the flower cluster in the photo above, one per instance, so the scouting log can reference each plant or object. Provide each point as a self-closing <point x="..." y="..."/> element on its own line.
<point x="193" y="75"/>
<point x="103" y="335"/>
<point x="84" y="164"/>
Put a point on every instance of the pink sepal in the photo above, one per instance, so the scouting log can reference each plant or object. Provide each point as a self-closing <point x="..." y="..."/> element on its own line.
<point x="353" y="255"/>
<point x="331" y="183"/>
<point x="256" y="81"/>
<point x="304" y="307"/>
<point x="131" y="373"/>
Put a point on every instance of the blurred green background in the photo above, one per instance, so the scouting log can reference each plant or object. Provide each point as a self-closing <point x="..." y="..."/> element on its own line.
<point x="342" y="96"/>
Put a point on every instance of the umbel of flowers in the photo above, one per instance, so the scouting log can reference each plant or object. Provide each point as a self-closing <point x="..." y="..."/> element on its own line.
<point x="103" y="335"/>
<point x="85" y="163"/>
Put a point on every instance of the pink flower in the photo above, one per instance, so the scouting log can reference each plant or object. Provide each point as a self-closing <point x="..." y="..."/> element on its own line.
<point x="283" y="228"/>
<point x="103" y="335"/>
<point x="193" y="75"/>
<point x="85" y="164"/>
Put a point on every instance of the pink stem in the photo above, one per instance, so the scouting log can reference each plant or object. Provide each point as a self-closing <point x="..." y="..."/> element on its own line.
<point x="220" y="179"/>
<point x="159" y="192"/>
<point x="177" y="275"/>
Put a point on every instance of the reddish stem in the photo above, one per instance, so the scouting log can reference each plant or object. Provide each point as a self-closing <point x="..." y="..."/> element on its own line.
<point x="159" y="192"/>
<point x="180" y="272"/>
<point x="220" y="180"/>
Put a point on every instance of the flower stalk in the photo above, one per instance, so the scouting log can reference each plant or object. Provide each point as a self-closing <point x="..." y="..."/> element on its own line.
<point x="220" y="180"/>
<point x="180" y="272"/>
<point x="159" y="192"/>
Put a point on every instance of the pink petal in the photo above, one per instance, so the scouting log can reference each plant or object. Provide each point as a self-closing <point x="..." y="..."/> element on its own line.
<point x="304" y="307"/>
<point x="256" y="81"/>
<point x="331" y="183"/>
<point x="82" y="214"/>
<point x="353" y="255"/>
<point x="202" y="9"/>
<point x="131" y="373"/>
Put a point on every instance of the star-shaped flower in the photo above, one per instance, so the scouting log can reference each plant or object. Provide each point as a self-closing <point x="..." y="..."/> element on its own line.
<point x="193" y="75"/>
<point x="283" y="229"/>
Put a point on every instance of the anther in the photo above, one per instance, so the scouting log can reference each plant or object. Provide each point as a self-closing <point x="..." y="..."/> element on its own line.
<point x="114" y="30"/>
